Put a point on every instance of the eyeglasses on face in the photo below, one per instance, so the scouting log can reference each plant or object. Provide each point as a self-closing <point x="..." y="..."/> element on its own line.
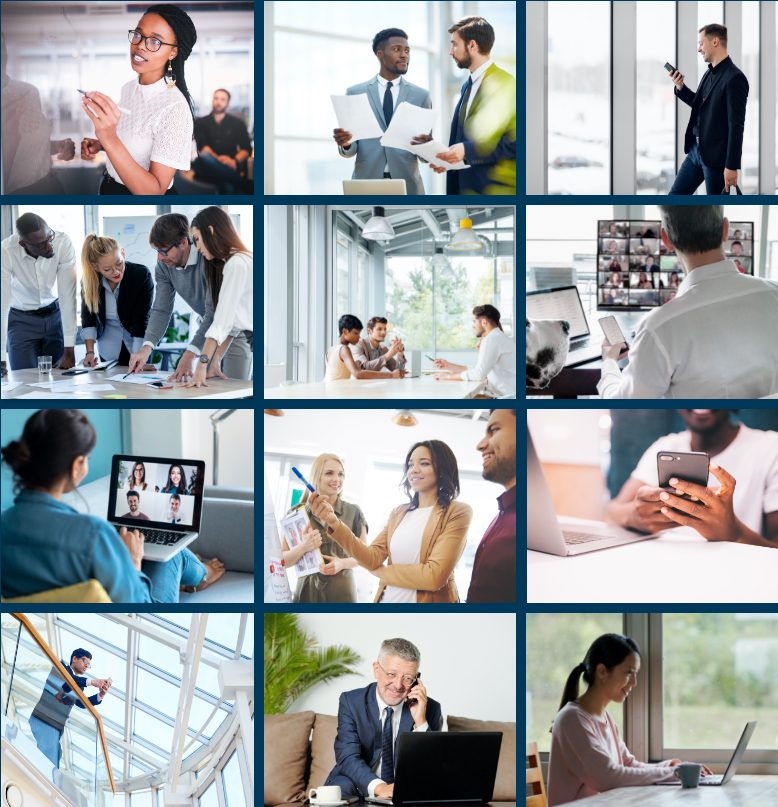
<point x="407" y="680"/>
<point x="40" y="244"/>
<point x="164" y="250"/>
<point x="152" y="43"/>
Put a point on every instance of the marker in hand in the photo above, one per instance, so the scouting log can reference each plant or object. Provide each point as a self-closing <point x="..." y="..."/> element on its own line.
<point x="120" y="108"/>
<point x="303" y="480"/>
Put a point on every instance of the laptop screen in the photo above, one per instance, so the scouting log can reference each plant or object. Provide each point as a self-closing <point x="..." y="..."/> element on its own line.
<point x="559" y="304"/>
<point x="156" y="492"/>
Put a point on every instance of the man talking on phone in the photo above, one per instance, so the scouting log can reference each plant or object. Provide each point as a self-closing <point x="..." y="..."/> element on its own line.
<point x="713" y="142"/>
<point x="370" y="719"/>
<point x="739" y="504"/>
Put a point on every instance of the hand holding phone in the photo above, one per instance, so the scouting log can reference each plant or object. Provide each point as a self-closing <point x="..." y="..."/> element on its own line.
<point x="675" y="75"/>
<point x="612" y="331"/>
<point x="691" y="466"/>
<point x="413" y="701"/>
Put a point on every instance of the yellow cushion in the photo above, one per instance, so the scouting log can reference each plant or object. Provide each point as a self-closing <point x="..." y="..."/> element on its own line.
<point x="88" y="591"/>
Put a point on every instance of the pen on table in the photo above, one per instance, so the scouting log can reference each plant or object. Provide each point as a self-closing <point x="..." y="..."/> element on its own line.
<point x="430" y="358"/>
<point x="303" y="480"/>
<point x="120" y="108"/>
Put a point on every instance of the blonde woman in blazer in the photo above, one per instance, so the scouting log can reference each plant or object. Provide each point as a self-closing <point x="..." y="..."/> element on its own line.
<point x="423" y="540"/>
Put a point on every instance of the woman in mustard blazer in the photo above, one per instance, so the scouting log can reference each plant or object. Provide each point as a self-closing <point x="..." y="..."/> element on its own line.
<point x="423" y="540"/>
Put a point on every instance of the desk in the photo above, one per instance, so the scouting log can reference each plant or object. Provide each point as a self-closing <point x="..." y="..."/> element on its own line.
<point x="217" y="387"/>
<point x="742" y="791"/>
<point x="377" y="389"/>
<point x="680" y="567"/>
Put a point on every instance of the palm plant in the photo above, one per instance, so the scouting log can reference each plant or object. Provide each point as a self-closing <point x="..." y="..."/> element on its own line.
<point x="293" y="662"/>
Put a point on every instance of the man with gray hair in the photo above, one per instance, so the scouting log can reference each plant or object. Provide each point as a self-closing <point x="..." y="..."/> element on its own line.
<point x="371" y="718"/>
<point x="715" y="338"/>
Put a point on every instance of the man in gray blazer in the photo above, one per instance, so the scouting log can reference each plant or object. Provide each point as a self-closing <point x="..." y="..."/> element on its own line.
<point x="385" y="91"/>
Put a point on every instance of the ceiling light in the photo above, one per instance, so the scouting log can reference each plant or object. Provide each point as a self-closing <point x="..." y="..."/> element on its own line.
<point x="464" y="239"/>
<point x="440" y="261"/>
<point x="377" y="227"/>
<point x="404" y="417"/>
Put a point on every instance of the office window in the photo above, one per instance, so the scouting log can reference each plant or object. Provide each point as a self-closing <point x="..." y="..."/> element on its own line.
<point x="234" y="794"/>
<point x="141" y="798"/>
<point x="362" y="279"/>
<point x="771" y="247"/>
<point x="709" y="12"/>
<point x="342" y="297"/>
<point x="210" y="798"/>
<point x="750" y="57"/>
<point x="718" y="671"/>
<point x="555" y="644"/>
<point x="579" y="103"/>
<point x="656" y="104"/>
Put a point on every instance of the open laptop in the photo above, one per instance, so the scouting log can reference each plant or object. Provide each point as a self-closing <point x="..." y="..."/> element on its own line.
<point x="445" y="767"/>
<point x="576" y="536"/>
<point x="162" y="497"/>
<point x="565" y="303"/>
<point x="374" y="187"/>
<point x="740" y="749"/>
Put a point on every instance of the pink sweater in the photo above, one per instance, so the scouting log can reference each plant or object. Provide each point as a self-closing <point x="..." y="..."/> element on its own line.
<point x="588" y="756"/>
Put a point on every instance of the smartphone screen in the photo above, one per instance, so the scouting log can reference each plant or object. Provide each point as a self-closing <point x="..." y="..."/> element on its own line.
<point x="669" y="67"/>
<point x="612" y="332"/>
<point x="691" y="466"/>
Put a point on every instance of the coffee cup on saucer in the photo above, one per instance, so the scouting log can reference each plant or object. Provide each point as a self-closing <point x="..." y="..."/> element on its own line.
<point x="325" y="795"/>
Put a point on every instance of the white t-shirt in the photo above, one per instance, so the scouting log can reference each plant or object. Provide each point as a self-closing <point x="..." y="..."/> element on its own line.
<point x="406" y="548"/>
<point x="159" y="127"/>
<point x="752" y="458"/>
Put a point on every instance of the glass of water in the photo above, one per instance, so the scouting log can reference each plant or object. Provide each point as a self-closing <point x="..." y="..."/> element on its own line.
<point x="44" y="365"/>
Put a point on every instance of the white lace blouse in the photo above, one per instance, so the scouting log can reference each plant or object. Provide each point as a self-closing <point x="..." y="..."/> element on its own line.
<point x="159" y="128"/>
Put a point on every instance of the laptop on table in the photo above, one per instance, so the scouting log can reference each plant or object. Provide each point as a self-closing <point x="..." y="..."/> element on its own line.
<point x="546" y="534"/>
<point x="445" y="767"/>
<point x="565" y="303"/>
<point x="167" y="512"/>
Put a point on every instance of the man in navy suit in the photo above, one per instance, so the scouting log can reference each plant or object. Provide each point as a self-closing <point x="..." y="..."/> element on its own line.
<point x="713" y="142"/>
<point x="483" y="129"/>
<point x="371" y="718"/>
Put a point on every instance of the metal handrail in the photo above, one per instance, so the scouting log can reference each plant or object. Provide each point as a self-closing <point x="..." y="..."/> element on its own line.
<point x="42" y="644"/>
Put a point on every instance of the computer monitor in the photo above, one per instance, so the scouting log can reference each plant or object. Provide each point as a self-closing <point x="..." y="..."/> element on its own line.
<point x="637" y="271"/>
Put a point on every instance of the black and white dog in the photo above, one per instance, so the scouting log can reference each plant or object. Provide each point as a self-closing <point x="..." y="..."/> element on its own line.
<point x="547" y="346"/>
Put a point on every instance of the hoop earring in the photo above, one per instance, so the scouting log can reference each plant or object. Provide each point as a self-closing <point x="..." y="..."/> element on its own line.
<point x="170" y="76"/>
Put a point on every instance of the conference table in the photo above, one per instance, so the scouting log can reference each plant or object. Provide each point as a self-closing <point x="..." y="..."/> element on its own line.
<point x="679" y="567"/>
<point x="424" y="386"/>
<point x="95" y="385"/>
<point x="742" y="791"/>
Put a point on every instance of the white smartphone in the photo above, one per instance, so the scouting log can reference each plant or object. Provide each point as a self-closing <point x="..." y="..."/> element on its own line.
<point x="612" y="331"/>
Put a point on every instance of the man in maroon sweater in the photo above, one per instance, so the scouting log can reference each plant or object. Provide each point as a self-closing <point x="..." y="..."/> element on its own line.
<point x="494" y="567"/>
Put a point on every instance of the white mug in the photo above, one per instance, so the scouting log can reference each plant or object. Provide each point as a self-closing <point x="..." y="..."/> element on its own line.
<point x="329" y="794"/>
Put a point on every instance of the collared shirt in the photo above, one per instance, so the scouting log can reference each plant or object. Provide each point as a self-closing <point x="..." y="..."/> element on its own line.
<point x="711" y="341"/>
<point x="31" y="283"/>
<point x="228" y="137"/>
<point x="494" y="566"/>
<point x="158" y="129"/>
<point x="235" y="309"/>
<point x="382" y="82"/>
<point x="496" y="363"/>
<point x="55" y="703"/>
<point x="110" y="343"/>
<point x="478" y="77"/>
<point x="372" y="358"/>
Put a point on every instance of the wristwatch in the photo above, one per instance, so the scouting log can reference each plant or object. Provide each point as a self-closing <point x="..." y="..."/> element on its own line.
<point x="203" y="359"/>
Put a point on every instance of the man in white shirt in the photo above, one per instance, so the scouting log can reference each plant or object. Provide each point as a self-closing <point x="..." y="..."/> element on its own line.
<point x="496" y="357"/>
<point x="713" y="340"/>
<point x="743" y="508"/>
<point x="38" y="296"/>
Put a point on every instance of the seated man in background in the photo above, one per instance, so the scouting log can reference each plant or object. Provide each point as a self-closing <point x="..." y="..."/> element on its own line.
<point x="496" y="357"/>
<point x="371" y="354"/>
<point x="223" y="148"/>
<point x="370" y="718"/>
<point x="710" y="340"/>
<point x="746" y="513"/>
<point x="339" y="359"/>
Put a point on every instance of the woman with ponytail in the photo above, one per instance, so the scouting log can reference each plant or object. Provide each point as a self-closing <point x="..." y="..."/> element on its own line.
<point x="151" y="139"/>
<point x="587" y="754"/>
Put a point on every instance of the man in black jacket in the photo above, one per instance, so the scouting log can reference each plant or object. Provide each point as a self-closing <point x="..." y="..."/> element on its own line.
<point x="713" y="143"/>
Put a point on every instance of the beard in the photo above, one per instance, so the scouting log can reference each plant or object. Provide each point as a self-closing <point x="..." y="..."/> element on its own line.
<point x="501" y="472"/>
<point x="465" y="62"/>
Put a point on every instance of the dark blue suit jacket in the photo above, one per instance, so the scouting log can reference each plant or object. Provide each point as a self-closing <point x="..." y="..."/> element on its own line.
<point x="358" y="742"/>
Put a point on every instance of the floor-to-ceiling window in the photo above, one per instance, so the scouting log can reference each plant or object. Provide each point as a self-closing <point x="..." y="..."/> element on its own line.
<point x="749" y="181"/>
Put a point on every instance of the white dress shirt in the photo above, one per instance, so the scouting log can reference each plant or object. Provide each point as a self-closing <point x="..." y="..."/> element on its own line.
<point x="31" y="283"/>
<point x="718" y="338"/>
<point x="235" y="309"/>
<point x="478" y="77"/>
<point x="496" y="363"/>
<point x="109" y="345"/>
<point x="159" y="127"/>
<point x="395" y="91"/>
<point x="396" y="715"/>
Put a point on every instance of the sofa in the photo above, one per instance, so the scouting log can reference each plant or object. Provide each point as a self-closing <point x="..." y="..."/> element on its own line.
<point x="299" y="754"/>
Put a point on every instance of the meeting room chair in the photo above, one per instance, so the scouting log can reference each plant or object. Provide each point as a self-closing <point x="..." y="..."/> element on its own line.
<point x="536" y="787"/>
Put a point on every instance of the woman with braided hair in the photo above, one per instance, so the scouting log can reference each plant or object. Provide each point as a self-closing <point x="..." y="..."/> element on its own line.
<point x="147" y="136"/>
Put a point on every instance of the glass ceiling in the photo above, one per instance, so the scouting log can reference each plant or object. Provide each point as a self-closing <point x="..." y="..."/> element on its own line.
<point x="140" y="652"/>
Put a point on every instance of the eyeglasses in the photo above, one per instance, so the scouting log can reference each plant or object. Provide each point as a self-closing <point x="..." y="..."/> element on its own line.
<point x="152" y="43"/>
<point x="407" y="680"/>
<point x="38" y="245"/>
<point x="164" y="250"/>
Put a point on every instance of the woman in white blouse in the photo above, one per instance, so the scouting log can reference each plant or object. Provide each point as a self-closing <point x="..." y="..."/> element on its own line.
<point x="150" y="136"/>
<point x="229" y="270"/>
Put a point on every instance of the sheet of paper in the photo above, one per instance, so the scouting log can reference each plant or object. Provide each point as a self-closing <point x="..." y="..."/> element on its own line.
<point x="7" y="386"/>
<point x="137" y="378"/>
<point x="88" y="388"/>
<point x="355" y="115"/>
<point x="407" y="121"/>
<point x="58" y="385"/>
<point x="427" y="151"/>
<point x="38" y="394"/>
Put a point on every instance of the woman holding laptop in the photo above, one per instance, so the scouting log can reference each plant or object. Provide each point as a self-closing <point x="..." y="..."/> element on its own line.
<point x="47" y="544"/>
<point x="423" y="540"/>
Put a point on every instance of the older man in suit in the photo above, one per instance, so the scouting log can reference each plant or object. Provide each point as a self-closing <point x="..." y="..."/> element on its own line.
<point x="713" y="142"/>
<point x="385" y="91"/>
<point x="371" y="718"/>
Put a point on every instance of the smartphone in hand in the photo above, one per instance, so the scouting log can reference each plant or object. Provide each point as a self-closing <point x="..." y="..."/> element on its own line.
<point x="612" y="331"/>
<point x="691" y="466"/>
<point x="670" y="69"/>
<point x="413" y="701"/>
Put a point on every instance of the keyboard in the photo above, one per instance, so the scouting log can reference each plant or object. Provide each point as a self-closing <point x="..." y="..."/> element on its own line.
<point x="162" y="537"/>
<point x="581" y="537"/>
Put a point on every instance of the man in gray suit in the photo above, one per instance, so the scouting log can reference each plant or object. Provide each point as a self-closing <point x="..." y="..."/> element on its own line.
<point x="385" y="91"/>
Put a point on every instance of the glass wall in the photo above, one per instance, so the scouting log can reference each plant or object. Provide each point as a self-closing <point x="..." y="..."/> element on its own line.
<point x="750" y="66"/>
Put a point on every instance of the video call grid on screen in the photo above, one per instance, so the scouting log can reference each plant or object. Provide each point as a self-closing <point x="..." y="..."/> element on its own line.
<point x="635" y="270"/>
<point x="155" y="501"/>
